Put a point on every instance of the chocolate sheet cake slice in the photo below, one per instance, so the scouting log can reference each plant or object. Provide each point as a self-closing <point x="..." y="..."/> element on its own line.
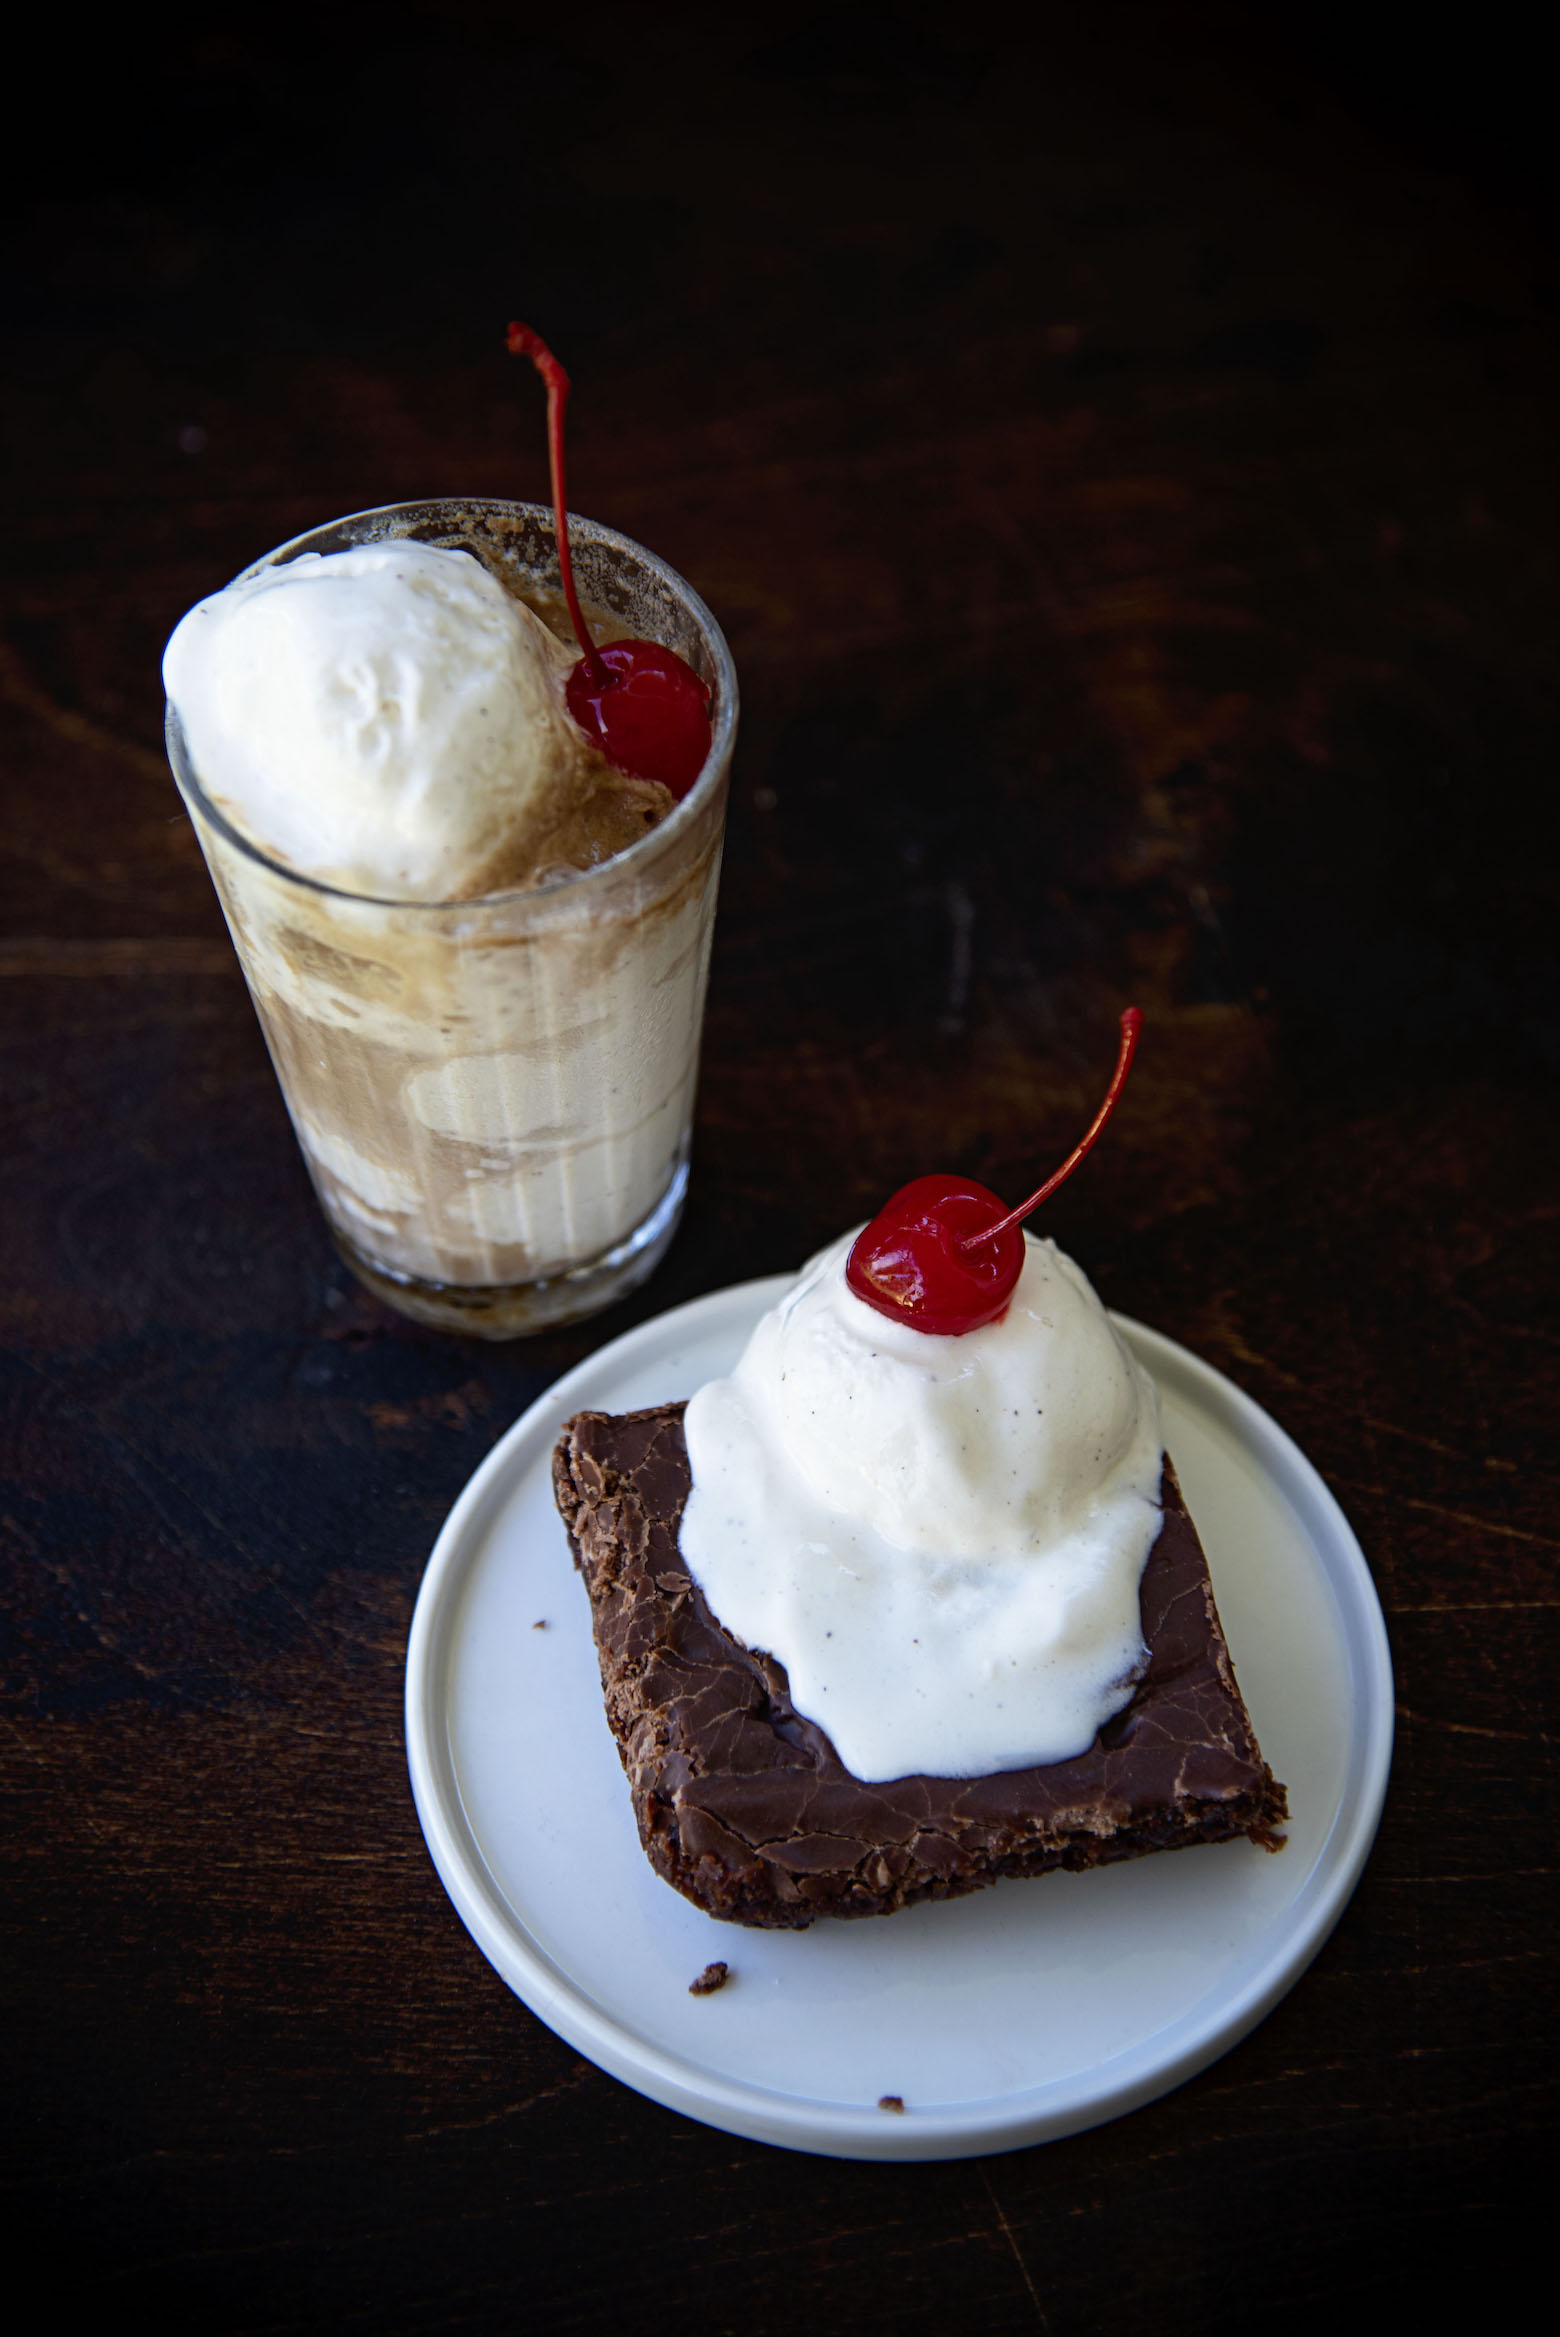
<point x="745" y="1807"/>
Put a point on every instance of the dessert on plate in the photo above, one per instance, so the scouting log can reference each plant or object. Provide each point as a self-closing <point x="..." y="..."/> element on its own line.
<point x="912" y="1600"/>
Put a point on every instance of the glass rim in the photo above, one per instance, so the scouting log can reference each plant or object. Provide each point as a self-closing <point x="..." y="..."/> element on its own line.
<point x="644" y="848"/>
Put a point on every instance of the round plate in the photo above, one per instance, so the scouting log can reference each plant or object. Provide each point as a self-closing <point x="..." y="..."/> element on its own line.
<point x="1029" y="2010"/>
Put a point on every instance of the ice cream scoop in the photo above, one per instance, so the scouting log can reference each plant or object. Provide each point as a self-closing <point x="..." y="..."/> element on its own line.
<point x="391" y="721"/>
<point x="940" y="1537"/>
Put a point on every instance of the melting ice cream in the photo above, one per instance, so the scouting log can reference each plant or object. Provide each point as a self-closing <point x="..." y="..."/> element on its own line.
<point x="940" y="1538"/>
<point x="391" y="721"/>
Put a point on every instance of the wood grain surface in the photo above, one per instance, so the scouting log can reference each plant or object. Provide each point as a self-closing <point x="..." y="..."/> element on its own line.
<point x="1121" y="454"/>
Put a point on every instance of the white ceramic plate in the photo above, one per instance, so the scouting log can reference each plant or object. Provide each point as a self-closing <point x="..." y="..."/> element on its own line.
<point x="1030" y="2010"/>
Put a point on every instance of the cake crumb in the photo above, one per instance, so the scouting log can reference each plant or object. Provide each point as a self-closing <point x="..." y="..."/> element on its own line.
<point x="712" y="1977"/>
<point x="895" y="2102"/>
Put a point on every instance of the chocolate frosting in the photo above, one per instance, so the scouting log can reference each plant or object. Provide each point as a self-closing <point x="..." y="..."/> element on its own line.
<point x="743" y="1803"/>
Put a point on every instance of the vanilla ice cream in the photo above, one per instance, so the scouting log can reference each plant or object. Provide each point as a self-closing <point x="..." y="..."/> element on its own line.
<point x="478" y="953"/>
<point x="391" y="721"/>
<point x="940" y="1538"/>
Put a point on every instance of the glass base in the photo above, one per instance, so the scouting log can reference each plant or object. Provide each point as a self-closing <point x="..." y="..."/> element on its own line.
<point x="514" y="1309"/>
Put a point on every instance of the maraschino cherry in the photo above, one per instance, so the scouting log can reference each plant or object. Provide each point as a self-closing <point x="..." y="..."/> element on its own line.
<point x="945" y="1254"/>
<point x="644" y="706"/>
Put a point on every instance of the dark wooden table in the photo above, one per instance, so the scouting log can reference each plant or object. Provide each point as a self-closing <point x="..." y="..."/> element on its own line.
<point x="1120" y="455"/>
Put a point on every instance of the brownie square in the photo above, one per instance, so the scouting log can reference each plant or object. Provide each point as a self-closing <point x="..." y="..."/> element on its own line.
<point x="744" y="1806"/>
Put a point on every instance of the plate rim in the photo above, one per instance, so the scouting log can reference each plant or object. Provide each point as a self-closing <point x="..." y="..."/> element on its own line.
<point x="1207" y="2029"/>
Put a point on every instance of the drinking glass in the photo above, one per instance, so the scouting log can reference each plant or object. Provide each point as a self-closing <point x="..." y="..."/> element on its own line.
<point x="494" y="1097"/>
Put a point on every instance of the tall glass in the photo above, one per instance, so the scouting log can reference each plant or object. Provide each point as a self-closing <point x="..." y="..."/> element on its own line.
<point x="494" y="1097"/>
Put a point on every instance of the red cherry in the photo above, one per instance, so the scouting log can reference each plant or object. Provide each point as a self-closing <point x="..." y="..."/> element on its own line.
<point x="644" y="706"/>
<point x="648" y="712"/>
<point x="945" y="1255"/>
<point x="911" y="1263"/>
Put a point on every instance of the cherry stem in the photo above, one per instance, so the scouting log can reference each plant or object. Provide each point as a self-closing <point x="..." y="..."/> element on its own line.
<point x="522" y="342"/>
<point x="1131" y="1024"/>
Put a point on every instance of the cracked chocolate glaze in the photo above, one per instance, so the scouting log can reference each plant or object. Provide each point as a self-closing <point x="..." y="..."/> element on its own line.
<point x="743" y="1804"/>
